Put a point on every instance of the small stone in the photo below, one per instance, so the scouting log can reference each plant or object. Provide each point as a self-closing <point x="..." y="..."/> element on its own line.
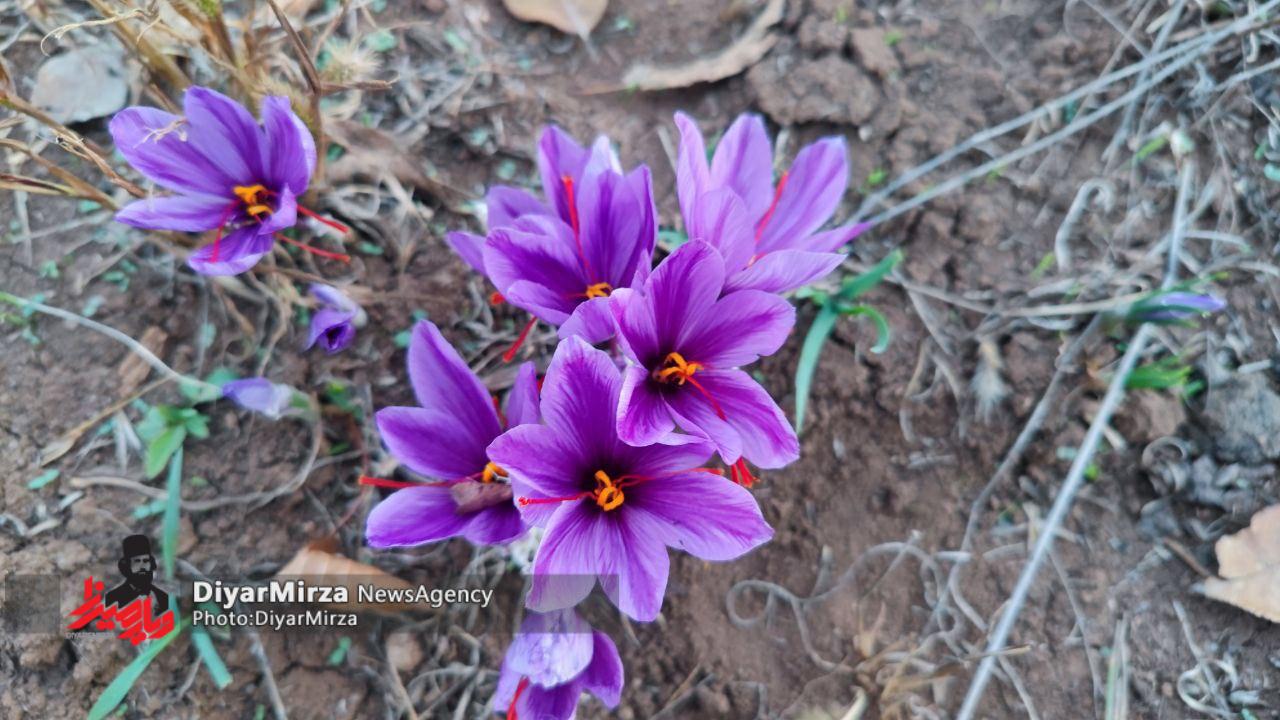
<point x="872" y="52"/>
<point x="403" y="651"/>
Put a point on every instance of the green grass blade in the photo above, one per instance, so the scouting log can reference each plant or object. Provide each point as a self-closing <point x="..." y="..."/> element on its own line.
<point x="882" y="326"/>
<point x="123" y="683"/>
<point x="173" y="503"/>
<point x="209" y="656"/>
<point x="855" y="286"/>
<point x="162" y="448"/>
<point x="819" y="331"/>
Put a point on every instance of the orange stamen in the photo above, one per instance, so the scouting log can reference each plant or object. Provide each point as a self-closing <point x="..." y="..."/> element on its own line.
<point x="608" y="491"/>
<point x="597" y="290"/>
<point x="313" y="250"/>
<point x="768" y="214"/>
<point x="510" y="354"/>
<point x="677" y="369"/>
<point x="491" y="471"/>
<point x="520" y="688"/>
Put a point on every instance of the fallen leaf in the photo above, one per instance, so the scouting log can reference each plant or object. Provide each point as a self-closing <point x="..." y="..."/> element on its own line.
<point x="1249" y="563"/>
<point x="372" y="153"/>
<point x="319" y="564"/>
<point x="744" y="52"/>
<point x="82" y="84"/>
<point x="575" y="17"/>
<point x="133" y="370"/>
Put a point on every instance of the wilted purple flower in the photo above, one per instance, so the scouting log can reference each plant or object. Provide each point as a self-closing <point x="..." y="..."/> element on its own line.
<point x="561" y="259"/>
<point x="552" y="660"/>
<point x="230" y="174"/>
<point x="260" y="395"/>
<point x="685" y="342"/>
<point x="1174" y="307"/>
<point x="445" y="439"/>
<point x="334" y="324"/>
<point x="611" y="510"/>
<point x="768" y="235"/>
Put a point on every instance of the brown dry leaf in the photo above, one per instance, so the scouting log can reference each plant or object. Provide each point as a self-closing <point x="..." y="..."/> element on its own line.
<point x="372" y="153"/>
<point x="319" y="564"/>
<point x="133" y="370"/>
<point x="575" y="17"/>
<point x="744" y="52"/>
<point x="1249" y="563"/>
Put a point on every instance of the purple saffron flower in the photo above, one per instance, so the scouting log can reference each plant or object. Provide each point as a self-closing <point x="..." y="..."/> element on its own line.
<point x="334" y="324"/>
<point x="445" y="439"/>
<point x="260" y="395"/>
<point x="1175" y="306"/>
<point x="685" y="343"/>
<point x="229" y="173"/>
<point x="551" y="661"/>
<point x="611" y="510"/>
<point x="561" y="259"/>
<point x="768" y="235"/>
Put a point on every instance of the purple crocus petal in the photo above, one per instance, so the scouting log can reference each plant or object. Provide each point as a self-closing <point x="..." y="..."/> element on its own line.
<point x="708" y="517"/>
<point x="720" y="219"/>
<point x="285" y="215"/>
<point x="640" y="180"/>
<point x="580" y="545"/>
<point x="444" y="384"/>
<point x="157" y="144"/>
<point x="763" y="435"/>
<point x="604" y="676"/>
<point x="784" y="270"/>
<point x="551" y="648"/>
<point x="505" y="204"/>
<point x="643" y="415"/>
<point x="682" y="289"/>
<point x="580" y="398"/>
<point x="741" y="328"/>
<point x="693" y="177"/>
<point x="505" y="692"/>
<point x="290" y="151"/>
<point x="555" y="703"/>
<point x="673" y="453"/>
<point x="332" y="328"/>
<point x="835" y="238"/>
<point x="185" y="213"/>
<point x="639" y="577"/>
<point x="334" y="298"/>
<point x="430" y="442"/>
<point x="259" y="395"/>
<point x="592" y="321"/>
<point x="469" y="247"/>
<point x="225" y="133"/>
<point x="637" y="327"/>
<point x="559" y="156"/>
<point x="541" y="463"/>
<point x="814" y="186"/>
<point x="495" y="525"/>
<point x="545" y="259"/>
<point x="743" y="162"/>
<point x="540" y="301"/>
<point x="414" y="516"/>
<point x="522" y="398"/>
<point x="611" y="218"/>
<point x="237" y="252"/>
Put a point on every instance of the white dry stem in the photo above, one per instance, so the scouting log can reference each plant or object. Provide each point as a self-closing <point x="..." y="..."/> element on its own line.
<point x="988" y="387"/>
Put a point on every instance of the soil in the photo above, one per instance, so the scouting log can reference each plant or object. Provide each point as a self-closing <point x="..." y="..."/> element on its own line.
<point x="895" y="448"/>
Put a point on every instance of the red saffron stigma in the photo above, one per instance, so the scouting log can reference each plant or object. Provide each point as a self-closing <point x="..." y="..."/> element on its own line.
<point x="527" y="501"/>
<point x="741" y="474"/>
<point x="705" y="393"/>
<point x="326" y="221"/>
<point x="768" y="214"/>
<point x="510" y="354"/>
<point x="573" y="222"/>
<point x="397" y="484"/>
<point x="495" y="298"/>
<point x="313" y="250"/>
<point x="511" y="709"/>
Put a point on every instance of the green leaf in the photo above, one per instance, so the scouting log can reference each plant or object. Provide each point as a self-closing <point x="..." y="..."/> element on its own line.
<point x="882" y="325"/>
<point x="380" y="41"/>
<point x="1272" y="172"/>
<point x="819" y="331"/>
<point x="855" y="286"/>
<point x="1150" y="147"/>
<point x="153" y="424"/>
<point x="124" y="682"/>
<point x="162" y="448"/>
<point x="172" y="507"/>
<point x="43" y="479"/>
<point x="197" y="427"/>
<point x="340" y="653"/>
<point x="209" y="655"/>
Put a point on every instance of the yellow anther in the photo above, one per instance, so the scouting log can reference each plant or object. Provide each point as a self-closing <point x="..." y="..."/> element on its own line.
<point x="256" y="210"/>
<point x="608" y="496"/>
<point x="248" y="194"/>
<point x="600" y="289"/>
<point x="676" y="369"/>
<point x="491" y="471"/>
